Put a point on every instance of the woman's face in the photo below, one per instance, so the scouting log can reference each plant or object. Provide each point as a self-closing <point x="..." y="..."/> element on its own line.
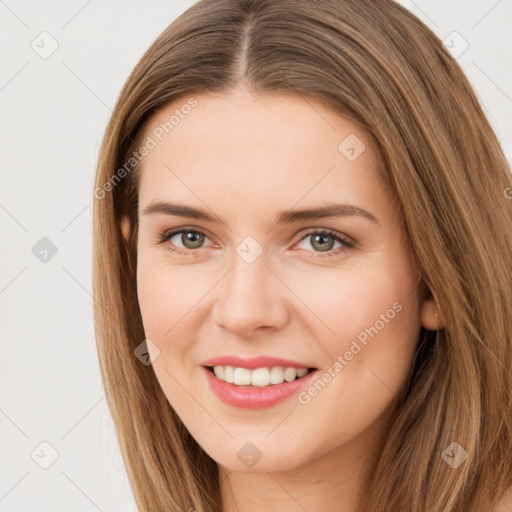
<point x="332" y="292"/>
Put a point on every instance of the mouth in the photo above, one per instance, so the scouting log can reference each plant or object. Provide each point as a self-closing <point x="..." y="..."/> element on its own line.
<point x="265" y="377"/>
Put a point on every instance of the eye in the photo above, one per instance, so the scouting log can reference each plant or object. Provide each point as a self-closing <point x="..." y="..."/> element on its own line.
<point x="191" y="239"/>
<point x="323" y="241"/>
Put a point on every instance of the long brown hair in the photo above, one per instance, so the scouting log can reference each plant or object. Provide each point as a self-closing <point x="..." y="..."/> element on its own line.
<point x="375" y="63"/>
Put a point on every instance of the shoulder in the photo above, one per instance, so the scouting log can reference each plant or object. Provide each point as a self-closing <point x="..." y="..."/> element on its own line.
<point x="505" y="503"/>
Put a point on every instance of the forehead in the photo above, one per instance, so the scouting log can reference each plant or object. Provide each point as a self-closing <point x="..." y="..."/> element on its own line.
<point x="259" y="150"/>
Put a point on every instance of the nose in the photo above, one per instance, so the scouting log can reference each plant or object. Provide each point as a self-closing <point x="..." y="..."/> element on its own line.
<point x="250" y="298"/>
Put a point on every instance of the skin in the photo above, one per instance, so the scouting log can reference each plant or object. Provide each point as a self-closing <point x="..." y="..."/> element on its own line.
<point x="245" y="158"/>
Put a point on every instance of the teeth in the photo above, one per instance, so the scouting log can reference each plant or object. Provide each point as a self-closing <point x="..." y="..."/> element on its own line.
<point x="229" y="374"/>
<point x="259" y="377"/>
<point x="242" y="377"/>
<point x="290" y="374"/>
<point x="276" y="375"/>
<point x="220" y="372"/>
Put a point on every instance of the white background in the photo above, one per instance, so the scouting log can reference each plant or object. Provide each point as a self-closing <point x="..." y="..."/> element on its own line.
<point x="53" y="115"/>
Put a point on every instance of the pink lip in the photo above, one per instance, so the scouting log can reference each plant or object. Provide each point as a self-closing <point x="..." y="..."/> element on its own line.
<point x="255" y="398"/>
<point x="253" y="362"/>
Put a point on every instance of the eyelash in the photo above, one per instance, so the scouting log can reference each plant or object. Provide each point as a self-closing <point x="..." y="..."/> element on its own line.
<point x="346" y="242"/>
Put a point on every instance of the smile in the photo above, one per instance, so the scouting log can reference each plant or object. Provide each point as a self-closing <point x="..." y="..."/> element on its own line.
<point x="273" y="384"/>
<point x="258" y="377"/>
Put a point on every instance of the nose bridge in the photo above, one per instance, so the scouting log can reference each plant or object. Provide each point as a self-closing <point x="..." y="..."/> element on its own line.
<point x="250" y="295"/>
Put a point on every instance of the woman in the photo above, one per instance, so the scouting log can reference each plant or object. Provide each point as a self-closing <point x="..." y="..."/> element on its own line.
<point x="302" y="266"/>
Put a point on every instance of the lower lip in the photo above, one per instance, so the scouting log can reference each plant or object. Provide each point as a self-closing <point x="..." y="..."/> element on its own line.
<point x="255" y="398"/>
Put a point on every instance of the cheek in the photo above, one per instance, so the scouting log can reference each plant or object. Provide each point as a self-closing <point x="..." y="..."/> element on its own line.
<point x="166" y="300"/>
<point x="373" y="328"/>
<point x="170" y="301"/>
<point x="342" y="304"/>
<point x="366" y="318"/>
<point x="337" y="305"/>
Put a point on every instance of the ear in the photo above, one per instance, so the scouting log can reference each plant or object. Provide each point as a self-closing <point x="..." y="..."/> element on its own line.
<point x="432" y="318"/>
<point x="125" y="228"/>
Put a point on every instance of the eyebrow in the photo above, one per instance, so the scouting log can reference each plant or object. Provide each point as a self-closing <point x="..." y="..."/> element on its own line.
<point x="284" y="217"/>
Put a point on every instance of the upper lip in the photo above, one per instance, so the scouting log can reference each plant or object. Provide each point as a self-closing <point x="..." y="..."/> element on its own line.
<point x="253" y="362"/>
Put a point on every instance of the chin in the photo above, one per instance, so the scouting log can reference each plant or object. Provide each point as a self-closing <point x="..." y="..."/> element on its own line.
<point x="251" y="459"/>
